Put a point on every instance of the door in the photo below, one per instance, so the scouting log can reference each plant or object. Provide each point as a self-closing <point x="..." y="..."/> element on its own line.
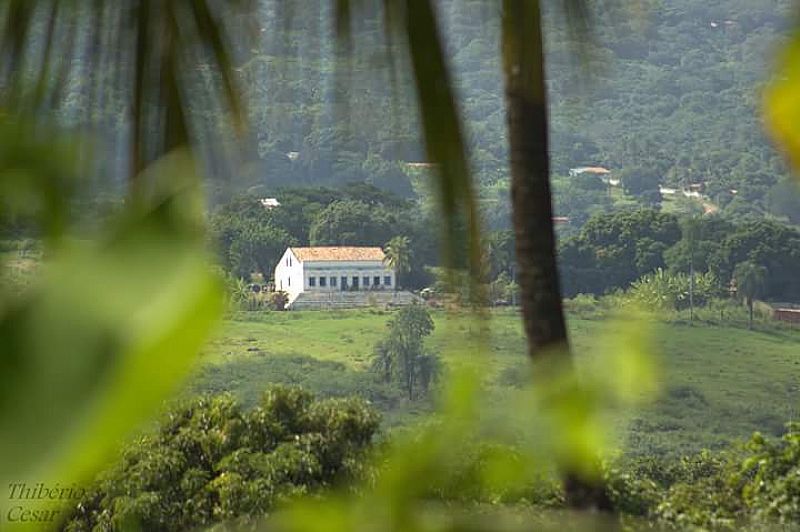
<point x="343" y="283"/>
<point x="355" y="282"/>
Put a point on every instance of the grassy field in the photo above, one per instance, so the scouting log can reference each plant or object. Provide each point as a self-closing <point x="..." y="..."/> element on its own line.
<point x="718" y="383"/>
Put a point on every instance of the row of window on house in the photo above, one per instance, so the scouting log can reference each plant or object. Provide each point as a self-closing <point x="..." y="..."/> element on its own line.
<point x="365" y="281"/>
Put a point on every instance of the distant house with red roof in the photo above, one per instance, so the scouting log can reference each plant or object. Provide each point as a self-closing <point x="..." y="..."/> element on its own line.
<point x="329" y="269"/>
<point x="595" y="170"/>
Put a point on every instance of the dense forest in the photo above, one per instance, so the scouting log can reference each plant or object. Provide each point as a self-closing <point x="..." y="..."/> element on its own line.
<point x="667" y="94"/>
<point x="664" y="93"/>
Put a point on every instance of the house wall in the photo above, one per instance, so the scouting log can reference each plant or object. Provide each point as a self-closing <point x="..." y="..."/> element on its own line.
<point x="349" y="269"/>
<point x="787" y="315"/>
<point x="289" y="275"/>
<point x="294" y="277"/>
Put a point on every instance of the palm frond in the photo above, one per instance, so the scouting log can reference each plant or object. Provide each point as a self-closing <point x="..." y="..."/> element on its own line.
<point x="442" y="128"/>
<point x="148" y="48"/>
<point x="417" y="23"/>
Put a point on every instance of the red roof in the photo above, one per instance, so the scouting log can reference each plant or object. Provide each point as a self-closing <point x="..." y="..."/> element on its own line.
<point x="339" y="253"/>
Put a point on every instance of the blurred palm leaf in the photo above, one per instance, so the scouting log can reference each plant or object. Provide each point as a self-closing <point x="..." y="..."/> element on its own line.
<point x="145" y="49"/>
<point x="416" y="22"/>
<point x="92" y="369"/>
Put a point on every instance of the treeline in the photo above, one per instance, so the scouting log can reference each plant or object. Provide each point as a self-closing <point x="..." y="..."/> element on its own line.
<point x="670" y="96"/>
<point x="611" y="251"/>
<point x="251" y="238"/>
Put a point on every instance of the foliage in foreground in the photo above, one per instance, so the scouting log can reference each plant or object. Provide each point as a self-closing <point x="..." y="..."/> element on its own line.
<point x="211" y="461"/>
<point x="751" y="485"/>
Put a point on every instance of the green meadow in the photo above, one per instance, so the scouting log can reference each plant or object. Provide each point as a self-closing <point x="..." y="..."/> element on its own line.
<point x="717" y="383"/>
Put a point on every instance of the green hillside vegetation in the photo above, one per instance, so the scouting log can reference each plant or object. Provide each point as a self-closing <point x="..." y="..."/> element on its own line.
<point x="669" y="93"/>
<point x="718" y="384"/>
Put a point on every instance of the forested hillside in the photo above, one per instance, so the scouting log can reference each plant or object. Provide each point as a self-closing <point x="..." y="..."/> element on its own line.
<point x="666" y="92"/>
<point x="659" y="92"/>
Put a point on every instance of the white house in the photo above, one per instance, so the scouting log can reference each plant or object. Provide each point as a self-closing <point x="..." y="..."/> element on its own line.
<point x="269" y="203"/>
<point x="333" y="269"/>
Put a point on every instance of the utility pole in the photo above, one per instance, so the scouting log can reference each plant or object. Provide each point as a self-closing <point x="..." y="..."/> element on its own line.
<point x="691" y="288"/>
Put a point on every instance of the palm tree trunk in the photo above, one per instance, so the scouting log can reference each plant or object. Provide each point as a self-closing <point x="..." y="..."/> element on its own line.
<point x="542" y="310"/>
<point x="537" y="272"/>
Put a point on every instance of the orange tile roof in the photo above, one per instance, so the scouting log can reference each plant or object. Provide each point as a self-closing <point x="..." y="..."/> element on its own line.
<point x="339" y="253"/>
<point x="596" y="170"/>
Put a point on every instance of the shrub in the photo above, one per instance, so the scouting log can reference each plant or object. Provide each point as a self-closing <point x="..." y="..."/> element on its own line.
<point x="664" y="291"/>
<point x="211" y="461"/>
<point x="278" y="300"/>
<point x="582" y="304"/>
<point x="753" y="484"/>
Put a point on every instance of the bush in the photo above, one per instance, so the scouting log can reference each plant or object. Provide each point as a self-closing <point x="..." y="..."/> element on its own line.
<point x="278" y="300"/>
<point x="666" y="292"/>
<point x="211" y="461"/>
<point x="583" y="305"/>
<point x="756" y="484"/>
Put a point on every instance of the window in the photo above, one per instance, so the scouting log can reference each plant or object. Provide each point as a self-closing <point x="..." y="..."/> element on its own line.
<point x="387" y="280"/>
<point x="312" y="281"/>
<point x="365" y="280"/>
<point x="323" y="281"/>
<point x="376" y="281"/>
<point x="289" y="280"/>
<point x="333" y="281"/>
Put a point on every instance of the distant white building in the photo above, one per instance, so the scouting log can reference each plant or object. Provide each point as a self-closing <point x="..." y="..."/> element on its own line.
<point x="269" y="203"/>
<point x="594" y="170"/>
<point x="333" y="269"/>
<point x="604" y="174"/>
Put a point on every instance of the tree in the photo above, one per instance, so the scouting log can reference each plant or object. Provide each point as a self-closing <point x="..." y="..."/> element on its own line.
<point x="639" y="181"/>
<point x="249" y="238"/>
<point x="783" y="199"/>
<point x="290" y="442"/>
<point x="613" y="250"/>
<point x="259" y="248"/>
<point x="401" y="356"/>
<point x="500" y="252"/>
<point x="351" y="223"/>
<point x="751" y="280"/>
<point x="398" y="256"/>
<point x="770" y="244"/>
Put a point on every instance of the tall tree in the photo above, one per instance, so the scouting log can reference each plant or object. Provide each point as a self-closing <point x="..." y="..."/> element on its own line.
<point x="398" y="256"/>
<point x="402" y="357"/>
<point x="751" y="279"/>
